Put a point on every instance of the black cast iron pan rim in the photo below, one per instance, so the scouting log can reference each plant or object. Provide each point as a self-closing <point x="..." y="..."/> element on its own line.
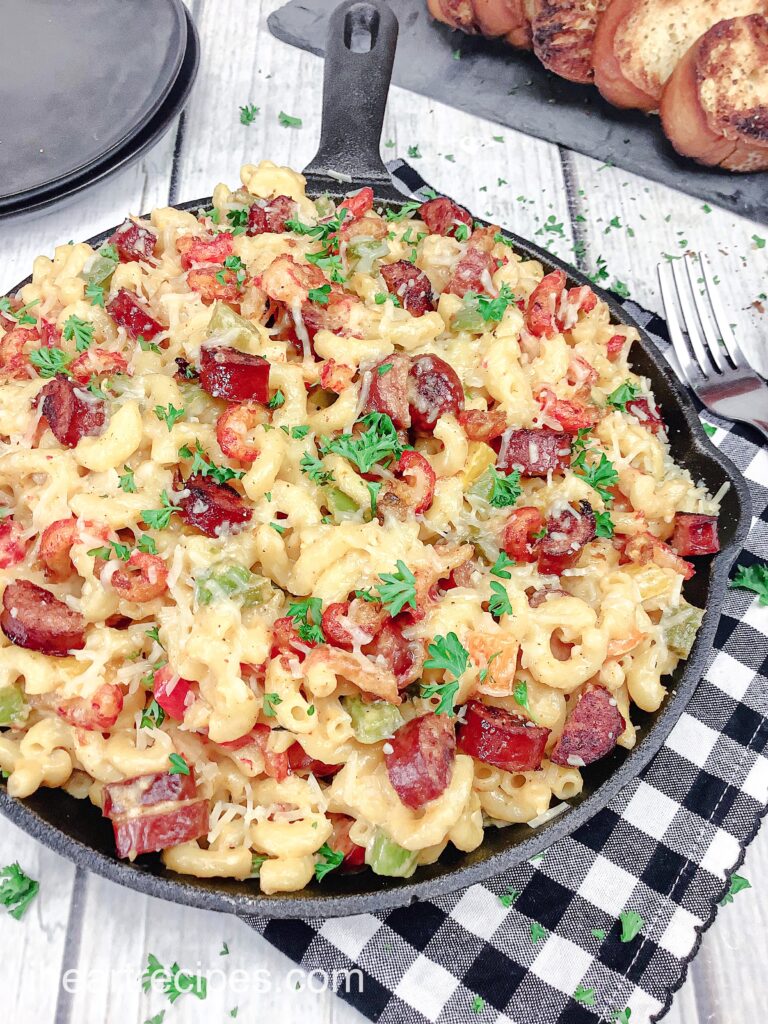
<point x="120" y="159"/>
<point x="386" y="894"/>
<point x="152" y="107"/>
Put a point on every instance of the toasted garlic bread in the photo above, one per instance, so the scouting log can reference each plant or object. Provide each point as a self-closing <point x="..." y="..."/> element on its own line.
<point x="715" y="105"/>
<point x="639" y="42"/>
<point x="564" y="36"/>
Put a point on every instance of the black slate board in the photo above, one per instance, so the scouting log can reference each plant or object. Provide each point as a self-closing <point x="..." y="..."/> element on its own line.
<point x="494" y="81"/>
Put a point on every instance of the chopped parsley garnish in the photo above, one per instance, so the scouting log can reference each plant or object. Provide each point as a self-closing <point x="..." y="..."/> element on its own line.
<point x="248" y="113"/>
<point x="50" y="361"/>
<point x="624" y="393"/>
<point x="203" y="465"/>
<point x="330" y="859"/>
<point x="271" y="700"/>
<point x="170" y="415"/>
<point x="127" y="481"/>
<point x="599" y="476"/>
<point x="95" y="293"/>
<point x="406" y="210"/>
<point x="235" y="264"/>
<point x="759" y="242"/>
<point x="491" y="310"/>
<point x="603" y="524"/>
<point x="377" y="443"/>
<point x="238" y="218"/>
<point x="175" y="982"/>
<point x="621" y="1016"/>
<point x="122" y="551"/>
<point x="21" y="316"/>
<point x="631" y="923"/>
<point x="538" y="932"/>
<point x="17" y="890"/>
<point x="307" y="615"/>
<point x="414" y="152"/>
<point x="153" y="634"/>
<point x="148" y="346"/>
<point x="384" y="368"/>
<point x="289" y="122"/>
<point x="159" y="518"/>
<point x="320" y="294"/>
<point x="446" y="653"/>
<point x="320" y="232"/>
<point x="498" y="237"/>
<point x="505" y="490"/>
<point x="500" y="566"/>
<point x="328" y="260"/>
<point x="276" y="400"/>
<point x="278" y="528"/>
<point x="620" y="289"/>
<point x="299" y="433"/>
<point x="80" y="330"/>
<point x="461" y="232"/>
<point x="499" y="603"/>
<point x="373" y="491"/>
<point x="584" y="995"/>
<point x="153" y="716"/>
<point x="178" y="765"/>
<point x="520" y="694"/>
<point x="752" y="577"/>
<point x="708" y="429"/>
<point x="313" y="467"/>
<point x="737" y="884"/>
<point x="397" y="589"/>
<point x="366" y="595"/>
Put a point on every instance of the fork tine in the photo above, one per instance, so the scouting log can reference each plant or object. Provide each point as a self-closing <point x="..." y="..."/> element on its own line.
<point x="689" y="368"/>
<point x="704" y="314"/>
<point x="689" y="320"/>
<point x="723" y="326"/>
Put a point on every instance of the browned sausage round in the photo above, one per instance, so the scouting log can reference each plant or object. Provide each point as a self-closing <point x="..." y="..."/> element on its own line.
<point x="33" y="618"/>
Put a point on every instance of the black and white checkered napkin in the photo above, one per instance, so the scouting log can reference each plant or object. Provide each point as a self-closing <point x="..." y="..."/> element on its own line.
<point x="664" y="848"/>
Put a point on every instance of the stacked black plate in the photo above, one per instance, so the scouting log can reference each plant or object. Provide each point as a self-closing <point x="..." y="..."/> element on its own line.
<point x="86" y="87"/>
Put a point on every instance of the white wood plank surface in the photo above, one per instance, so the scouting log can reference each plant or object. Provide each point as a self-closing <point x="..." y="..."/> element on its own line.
<point x="82" y="923"/>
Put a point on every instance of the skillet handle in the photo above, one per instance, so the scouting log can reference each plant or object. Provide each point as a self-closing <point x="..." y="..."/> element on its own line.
<point x="359" y="54"/>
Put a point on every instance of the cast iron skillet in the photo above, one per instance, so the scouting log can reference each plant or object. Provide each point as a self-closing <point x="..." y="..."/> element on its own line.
<point x="361" y="47"/>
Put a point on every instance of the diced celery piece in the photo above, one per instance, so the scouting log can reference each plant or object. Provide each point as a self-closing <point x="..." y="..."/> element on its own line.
<point x="468" y="318"/>
<point x="385" y="857"/>
<point x="340" y="505"/>
<point x="231" y="582"/>
<point x="325" y="206"/>
<point x="483" y="486"/>
<point x="681" y="628"/>
<point x="225" y="320"/>
<point x="479" y="457"/>
<point x="373" y="721"/>
<point x="12" y="707"/>
<point x="363" y="252"/>
<point x="256" y="861"/>
<point x="100" y="270"/>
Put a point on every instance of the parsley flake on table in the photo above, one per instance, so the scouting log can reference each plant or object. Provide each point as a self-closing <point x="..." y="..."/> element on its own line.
<point x="708" y="429"/>
<point x="80" y="330"/>
<point x="752" y="577"/>
<point x="330" y="859"/>
<point x="126" y="482"/>
<point x="631" y="924"/>
<point x="505" y="490"/>
<point x="248" y="113"/>
<point x="271" y="700"/>
<point x="50" y="361"/>
<point x="736" y="885"/>
<point x="478" y="1004"/>
<point x="159" y="518"/>
<point x="172" y="980"/>
<point x="446" y="653"/>
<point x="538" y="932"/>
<point x="157" y="1019"/>
<point x="620" y="289"/>
<point x="178" y="765"/>
<point x="224" y="951"/>
<point x="379" y="442"/>
<point x="17" y="890"/>
<point x="624" y="393"/>
<point x="598" y="933"/>
<point x="603" y="524"/>
<point x="289" y="122"/>
<point x="313" y="467"/>
<point x="508" y="897"/>
<point x="584" y="995"/>
<point x="414" y="152"/>
<point x="621" y="1016"/>
<point x="397" y="589"/>
<point x="759" y="242"/>
<point x="170" y="415"/>
<point x="499" y="603"/>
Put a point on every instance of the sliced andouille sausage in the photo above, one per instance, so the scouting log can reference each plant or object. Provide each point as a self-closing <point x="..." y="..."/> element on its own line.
<point x="472" y="273"/>
<point x="33" y="618"/>
<point x="442" y="216"/>
<point x="434" y="388"/>
<point x="271" y="216"/>
<point x="212" y="508"/>
<point x="140" y="829"/>
<point x="133" y="242"/>
<point x="127" y="312"/>
<point x="302" y="764"/>
<point x="482" y="424"/>
<point x="590" y="731"/>
<point x="403" y="657"/>
<point x="410" y="285"/>
<point x="349" y="623"/>
<point x="233" y="375"/>
<point x="71" y="412"/>
<point x="354" y="855"/>
<point x="420" y="762"/>
<point x="387" y="384"/>
<point x="411" y="491"/>
<point x="648" y="413"/>
<point x="534" y="452"/>
<point x="519" y="538"/>
<point x="495" y="736"/>
<point x="695" y="534"/>
<point x="567" y="533"/>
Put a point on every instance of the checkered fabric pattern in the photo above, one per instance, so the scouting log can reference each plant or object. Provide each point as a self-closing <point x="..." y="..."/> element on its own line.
<point x="664" y="848"/>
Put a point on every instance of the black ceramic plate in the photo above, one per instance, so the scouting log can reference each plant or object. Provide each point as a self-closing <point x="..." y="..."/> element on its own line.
<point x="80" y="78"/>
<point x="354" y="97"/>
<point x="149" y="136"/>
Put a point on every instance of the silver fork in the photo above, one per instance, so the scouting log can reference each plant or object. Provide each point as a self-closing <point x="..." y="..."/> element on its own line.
<point x="710" y="358"/>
